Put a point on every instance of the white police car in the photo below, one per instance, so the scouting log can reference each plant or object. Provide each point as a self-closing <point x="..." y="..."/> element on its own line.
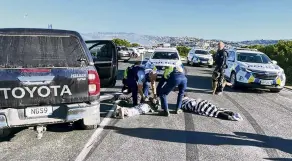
<point x="162" y="58"/>
<point x="251" y="68"/>
<point x="198" y="56"/>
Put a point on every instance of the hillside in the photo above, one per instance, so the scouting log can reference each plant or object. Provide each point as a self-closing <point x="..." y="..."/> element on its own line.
<point x="149" y="40"/>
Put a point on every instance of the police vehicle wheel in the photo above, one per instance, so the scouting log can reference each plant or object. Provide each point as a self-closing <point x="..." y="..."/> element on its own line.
<point x="4" y="133"/>
<point x="275" y="90"/>
<point x="233" y="80"/>
<point x="192" y="63"/>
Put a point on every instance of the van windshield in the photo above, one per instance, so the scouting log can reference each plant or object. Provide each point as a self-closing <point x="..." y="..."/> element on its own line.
<point x="165" y="55"/>
<point x="23" y="51"/>
<point x="204" y="52"/>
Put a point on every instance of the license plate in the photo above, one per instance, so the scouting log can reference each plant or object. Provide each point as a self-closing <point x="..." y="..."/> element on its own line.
<point x="38" y="111"/>
<point x="160" y="72"/>
<point x="266" y="82"/>
<point x="204" y="62"/>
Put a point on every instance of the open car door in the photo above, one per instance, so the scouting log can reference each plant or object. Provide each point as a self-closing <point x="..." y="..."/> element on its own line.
<point x="104" y="54"/>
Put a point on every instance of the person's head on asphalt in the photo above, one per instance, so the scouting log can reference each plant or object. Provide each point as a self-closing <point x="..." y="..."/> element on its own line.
<point x="220" y="45"/>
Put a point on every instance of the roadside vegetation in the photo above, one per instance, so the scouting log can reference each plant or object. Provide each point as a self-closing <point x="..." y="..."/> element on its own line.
<point x="126" y="43"/>
<point x="183" y="50"/>
<point x="280" y="52"/>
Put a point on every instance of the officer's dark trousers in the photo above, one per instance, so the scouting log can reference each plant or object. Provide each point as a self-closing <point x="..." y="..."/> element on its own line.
<point x="175" y="79"/>
<point x="132" y="84"/>
<point x="160" y="85"/>
<point x="220" y="79"/>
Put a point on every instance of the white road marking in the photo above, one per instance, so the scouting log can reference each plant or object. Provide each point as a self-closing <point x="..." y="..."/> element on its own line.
<point x="82" y="155"/>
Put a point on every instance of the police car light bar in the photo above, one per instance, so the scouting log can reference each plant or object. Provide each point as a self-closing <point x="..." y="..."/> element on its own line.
<point x="246" y="49"/>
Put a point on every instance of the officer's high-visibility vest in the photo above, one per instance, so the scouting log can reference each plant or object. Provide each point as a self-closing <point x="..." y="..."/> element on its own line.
<point x="171" y="69"/>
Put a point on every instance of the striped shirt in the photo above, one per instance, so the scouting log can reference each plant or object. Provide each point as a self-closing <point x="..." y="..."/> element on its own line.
<point x="201" y="107"/>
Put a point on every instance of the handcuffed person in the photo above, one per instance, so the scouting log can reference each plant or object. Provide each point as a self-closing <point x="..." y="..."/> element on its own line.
<point x="205" y="108"/>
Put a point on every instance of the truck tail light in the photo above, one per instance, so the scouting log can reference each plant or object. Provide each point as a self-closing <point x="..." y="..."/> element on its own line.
<point x="93" y="83"/>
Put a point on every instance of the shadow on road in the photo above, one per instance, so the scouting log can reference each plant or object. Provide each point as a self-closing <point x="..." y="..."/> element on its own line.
<point x="12" y="134"/>
<point x="246" y="90"/>
<point x="207" y="138"/>
<point x="199" y="82"/>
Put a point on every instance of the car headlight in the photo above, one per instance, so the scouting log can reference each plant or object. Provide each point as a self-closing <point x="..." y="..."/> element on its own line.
<point x="245" y="69"/>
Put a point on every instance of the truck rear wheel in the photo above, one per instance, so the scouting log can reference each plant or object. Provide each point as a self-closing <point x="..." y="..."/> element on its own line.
<point x="90" y="122"/>
<point x="4" y="133"/>
<point x="81" y="124"/>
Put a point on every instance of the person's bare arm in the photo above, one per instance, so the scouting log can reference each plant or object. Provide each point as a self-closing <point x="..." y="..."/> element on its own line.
<point x="140" y="90"/>
<point x="153" y="77"/>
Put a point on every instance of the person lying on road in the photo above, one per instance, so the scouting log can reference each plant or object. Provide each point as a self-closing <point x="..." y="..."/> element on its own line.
<point x="121" y="111"/>
<point x="205" y="108"/>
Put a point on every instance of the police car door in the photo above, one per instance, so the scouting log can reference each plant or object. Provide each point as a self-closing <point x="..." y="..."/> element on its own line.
<point x="104" y="54"/>
<point x="230" y="63"/>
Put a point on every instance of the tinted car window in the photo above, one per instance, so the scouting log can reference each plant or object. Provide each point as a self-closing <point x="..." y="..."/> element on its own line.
<point x="165" y="55"/>
<point x="101" y="52"/>
<point x="40" y="51"/>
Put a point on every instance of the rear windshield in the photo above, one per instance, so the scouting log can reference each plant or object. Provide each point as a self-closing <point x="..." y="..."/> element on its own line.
<point x="165" y="55"/>
<point x="201" y="52"/>
<point x="40" y="51"/>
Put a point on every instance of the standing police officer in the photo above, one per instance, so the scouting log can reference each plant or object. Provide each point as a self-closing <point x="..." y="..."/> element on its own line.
<point x="220" y="59"/>
<point x="173" y="76"/>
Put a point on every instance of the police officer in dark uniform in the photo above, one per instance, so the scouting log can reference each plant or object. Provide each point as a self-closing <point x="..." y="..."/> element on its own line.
<point x="135" y="79"/>
<point x="220" y="60"/>
<point x="173" y="77"/>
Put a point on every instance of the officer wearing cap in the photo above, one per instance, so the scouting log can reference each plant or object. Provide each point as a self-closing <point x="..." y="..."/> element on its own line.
<point x="172" y="77"/>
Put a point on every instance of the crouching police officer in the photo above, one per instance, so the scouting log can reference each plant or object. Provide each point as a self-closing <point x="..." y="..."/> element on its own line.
<point x="173" y="77"/>
<point x="135" y="78"/>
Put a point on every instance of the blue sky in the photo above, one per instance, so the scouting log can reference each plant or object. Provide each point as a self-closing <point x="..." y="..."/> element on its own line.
<point x="219" y="19"/>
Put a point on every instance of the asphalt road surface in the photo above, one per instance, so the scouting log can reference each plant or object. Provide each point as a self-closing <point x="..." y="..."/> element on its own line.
<point x="264" y="134"/>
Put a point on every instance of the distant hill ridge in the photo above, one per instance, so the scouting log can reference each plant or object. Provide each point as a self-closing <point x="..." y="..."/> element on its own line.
<point x="153" y="40"/>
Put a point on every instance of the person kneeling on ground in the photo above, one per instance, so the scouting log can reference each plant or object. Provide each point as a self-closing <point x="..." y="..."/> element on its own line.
<point x="205" y="108"/>
<point x="122" y="109"/>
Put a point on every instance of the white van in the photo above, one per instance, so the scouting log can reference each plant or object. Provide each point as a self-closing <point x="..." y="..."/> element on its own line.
<point x="141" y="50"/>
<point x="198" y="56"/>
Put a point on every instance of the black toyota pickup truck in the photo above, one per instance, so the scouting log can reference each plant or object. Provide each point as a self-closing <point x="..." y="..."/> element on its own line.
<point x="50" y="76"/>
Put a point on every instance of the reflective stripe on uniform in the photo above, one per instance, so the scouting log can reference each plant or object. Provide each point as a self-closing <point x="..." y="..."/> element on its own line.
<point x="126" y="73"/>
